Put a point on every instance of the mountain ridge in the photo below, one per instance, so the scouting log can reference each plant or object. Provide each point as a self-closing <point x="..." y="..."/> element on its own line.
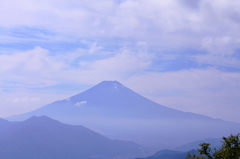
<point x="43" y="137"/>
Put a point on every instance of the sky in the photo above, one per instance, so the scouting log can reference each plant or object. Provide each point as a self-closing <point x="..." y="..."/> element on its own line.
<point x="183" y="54"/>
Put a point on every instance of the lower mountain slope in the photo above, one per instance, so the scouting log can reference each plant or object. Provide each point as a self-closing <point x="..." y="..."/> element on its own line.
<point x="43" y="137"/>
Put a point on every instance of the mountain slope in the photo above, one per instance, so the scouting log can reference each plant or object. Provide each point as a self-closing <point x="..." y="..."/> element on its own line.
<point x="43" y="137"/>
<point x="118" y="112"/>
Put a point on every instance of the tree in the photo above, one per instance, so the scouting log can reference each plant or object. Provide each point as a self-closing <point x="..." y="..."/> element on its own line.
<point x="230" y="149"/>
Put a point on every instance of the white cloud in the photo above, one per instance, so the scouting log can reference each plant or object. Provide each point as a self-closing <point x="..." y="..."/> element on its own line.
<point x="68" y="99"/>
<point x="123" y="64"/>
<point x="80" y="104"/>
<point x="33" y="67"/>
<point x="32" y="60"/>
<point x="94" y="48"/>
<point x="217" y="60"/>
<point x="25" y="99"/>
<point x="221" y="45"/>
<point x="38" y="68"/>
<point x="128" y="18"/>
<point x="221" y="51"/>
<point x="170" y="24"/>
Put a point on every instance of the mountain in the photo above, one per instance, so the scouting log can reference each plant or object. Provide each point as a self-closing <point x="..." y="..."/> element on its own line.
<point x="43" y="137"/>
<point x="215" y="143"/>
<point x="3" y="124"/>
<point x="117" y="112"/>
<point x="170" y="154"/>
<point x="109" y="99"/>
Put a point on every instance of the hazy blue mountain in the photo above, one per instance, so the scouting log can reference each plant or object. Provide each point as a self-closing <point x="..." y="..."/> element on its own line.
<point x="119" y="113"/>
<point x="45" y="138"/>
<point x="4" y="124"/>
<point x="166" y="151"/>
<point x="215" y="143"/>
<point x="110" y="99"/>
<point x="170" y="154"/>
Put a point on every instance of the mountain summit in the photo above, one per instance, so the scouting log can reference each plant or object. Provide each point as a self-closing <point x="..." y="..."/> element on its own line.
<point x="118" y="112"/>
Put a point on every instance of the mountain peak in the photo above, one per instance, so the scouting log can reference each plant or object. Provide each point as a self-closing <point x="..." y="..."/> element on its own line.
<point x="40" y="119"/>
<point x="110" y="83"/>
<point x="43" y="117"/>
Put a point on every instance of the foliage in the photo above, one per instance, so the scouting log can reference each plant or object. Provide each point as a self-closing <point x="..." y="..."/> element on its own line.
<point x="230" y="150"/>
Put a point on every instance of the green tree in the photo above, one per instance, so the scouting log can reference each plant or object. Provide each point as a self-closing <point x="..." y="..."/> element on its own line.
<point x="230" y="150"/>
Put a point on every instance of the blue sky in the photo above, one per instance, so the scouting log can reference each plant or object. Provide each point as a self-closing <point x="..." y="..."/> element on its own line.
<point x="183" y="54"/>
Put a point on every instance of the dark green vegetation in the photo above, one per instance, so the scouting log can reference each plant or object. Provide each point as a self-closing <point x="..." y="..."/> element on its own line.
<point x="45" y="138"/>
<point x="230" y="150"/>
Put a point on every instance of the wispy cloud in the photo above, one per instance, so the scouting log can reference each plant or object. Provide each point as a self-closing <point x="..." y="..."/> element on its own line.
<point x="24" y="99"/>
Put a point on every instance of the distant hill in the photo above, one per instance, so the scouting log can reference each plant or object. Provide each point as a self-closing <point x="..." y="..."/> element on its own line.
<point x="215" y="143"/>
<point x="45" y="138"/>
<point x="119" y="113"/>
<point x="170" y="154"/>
